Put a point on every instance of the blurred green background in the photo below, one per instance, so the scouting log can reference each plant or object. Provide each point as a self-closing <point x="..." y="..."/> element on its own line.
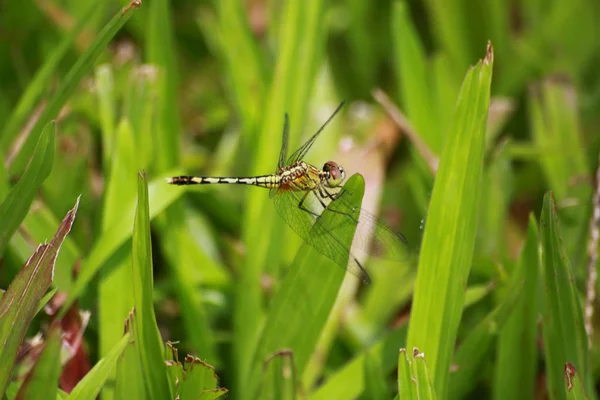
<point x="198" y="87"/>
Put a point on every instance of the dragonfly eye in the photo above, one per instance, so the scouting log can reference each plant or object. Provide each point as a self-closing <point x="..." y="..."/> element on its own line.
<point x="334" y="174"/>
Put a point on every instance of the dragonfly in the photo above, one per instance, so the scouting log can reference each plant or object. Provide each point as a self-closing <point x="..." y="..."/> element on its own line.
<point x="302" y="193"/>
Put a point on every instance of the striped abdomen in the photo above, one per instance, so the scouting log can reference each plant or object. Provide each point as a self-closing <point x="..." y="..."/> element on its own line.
<point x="266" y="181"/>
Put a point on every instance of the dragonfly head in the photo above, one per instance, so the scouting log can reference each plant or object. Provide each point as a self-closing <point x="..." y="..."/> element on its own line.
<point x="334" y="174"/>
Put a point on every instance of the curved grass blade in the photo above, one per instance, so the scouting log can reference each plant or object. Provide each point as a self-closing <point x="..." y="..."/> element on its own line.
<point x="449" y="236"/>
<point x="19" y="304"/>
<point x="70" y="83"/>
<point x="17" y="203"/>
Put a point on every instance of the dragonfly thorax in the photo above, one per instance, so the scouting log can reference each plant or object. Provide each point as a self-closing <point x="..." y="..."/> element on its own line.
<point x="333" y="174"/>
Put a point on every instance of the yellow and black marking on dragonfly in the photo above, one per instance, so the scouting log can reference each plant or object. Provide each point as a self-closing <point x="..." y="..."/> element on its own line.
<point x="290" y="186"/>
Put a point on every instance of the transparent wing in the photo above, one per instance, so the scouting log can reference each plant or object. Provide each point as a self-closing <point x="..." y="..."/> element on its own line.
<point x="301" y="152"/>
<point x="372" y="236"/>
<point x="324" y="232"/>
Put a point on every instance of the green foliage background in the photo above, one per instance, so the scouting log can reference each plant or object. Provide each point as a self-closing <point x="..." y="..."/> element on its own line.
<point x="497" y="280"/>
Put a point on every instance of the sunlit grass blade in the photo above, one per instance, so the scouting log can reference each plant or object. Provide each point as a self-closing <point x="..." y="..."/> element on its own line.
<point x="407" y="387"/>
<point x="302" y="304"/>
<point x="516" y="357"/>
<point x="563" y="331"/>
<point x="43" y="378"/>
<point x="449" y="236"/>
<point x="89" y="387"/>
<point x="19" y="304"/>
<point x="83" y="65"/>
<point x="149" y="342"/>
<point x="161" y="197"/>
<point x="279" y="377"/>
<point x="16" y="205"/>
<point x="41" y="82"/>
<point x="414" y="380"/>
<point x="349" y="381"/>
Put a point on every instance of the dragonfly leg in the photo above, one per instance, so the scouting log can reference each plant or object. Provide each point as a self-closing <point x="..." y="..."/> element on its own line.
<point x="324" y="193"/>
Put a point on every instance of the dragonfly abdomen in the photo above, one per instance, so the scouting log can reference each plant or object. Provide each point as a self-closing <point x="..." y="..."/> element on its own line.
<point x="266" y="181"/>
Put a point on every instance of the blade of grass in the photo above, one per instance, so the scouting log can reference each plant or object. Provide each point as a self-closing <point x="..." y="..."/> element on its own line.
<point x="19" y="304"/>
<point x="17" y="203"/>
<point x="449" y="237"/>
<point x="279" y="378"/>
<point x="421" y="375"/>
<point x="563" y="331"/>
<point x="43" y="378"/>
<point x="149" y="340"/>
<point x="375" y="382"/>
<point x="89" y="387"/>
<point x="161" y="197"/>
<point x="41" y="81"/>
<point x="307" y="293"/>
<point x="516" y="358"/>
<point x="115" y="298"/>
<point x="129" y="379"/>
<point x="70" y="83"/>
<point x="407" y="386"/>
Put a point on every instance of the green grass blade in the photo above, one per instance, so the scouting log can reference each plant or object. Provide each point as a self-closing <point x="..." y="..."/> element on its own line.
<point x="43" y="378"/>
<point x="115" y="298"/>
<point x="425" y="388"/>
<point x="70" y="83"/>
<point x="516" y="358"/>
<point x="563" y="331"/>
<point x="41" y="81"/>
<point x="149" y="342"/>
<point x="17" y="203"/>
<point x="279" y="378"/>
<point x="129" y="379"/>
<point x="449" y="237"/>
<point x="303" y="302"/>
<point x="161" y="197"/>
<point x="19" y="304"/>
<point x="376" y="386"/>
<point x="407" y="387"/>
<point x="92" y="383"/>
<point x="160" y="52"/>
